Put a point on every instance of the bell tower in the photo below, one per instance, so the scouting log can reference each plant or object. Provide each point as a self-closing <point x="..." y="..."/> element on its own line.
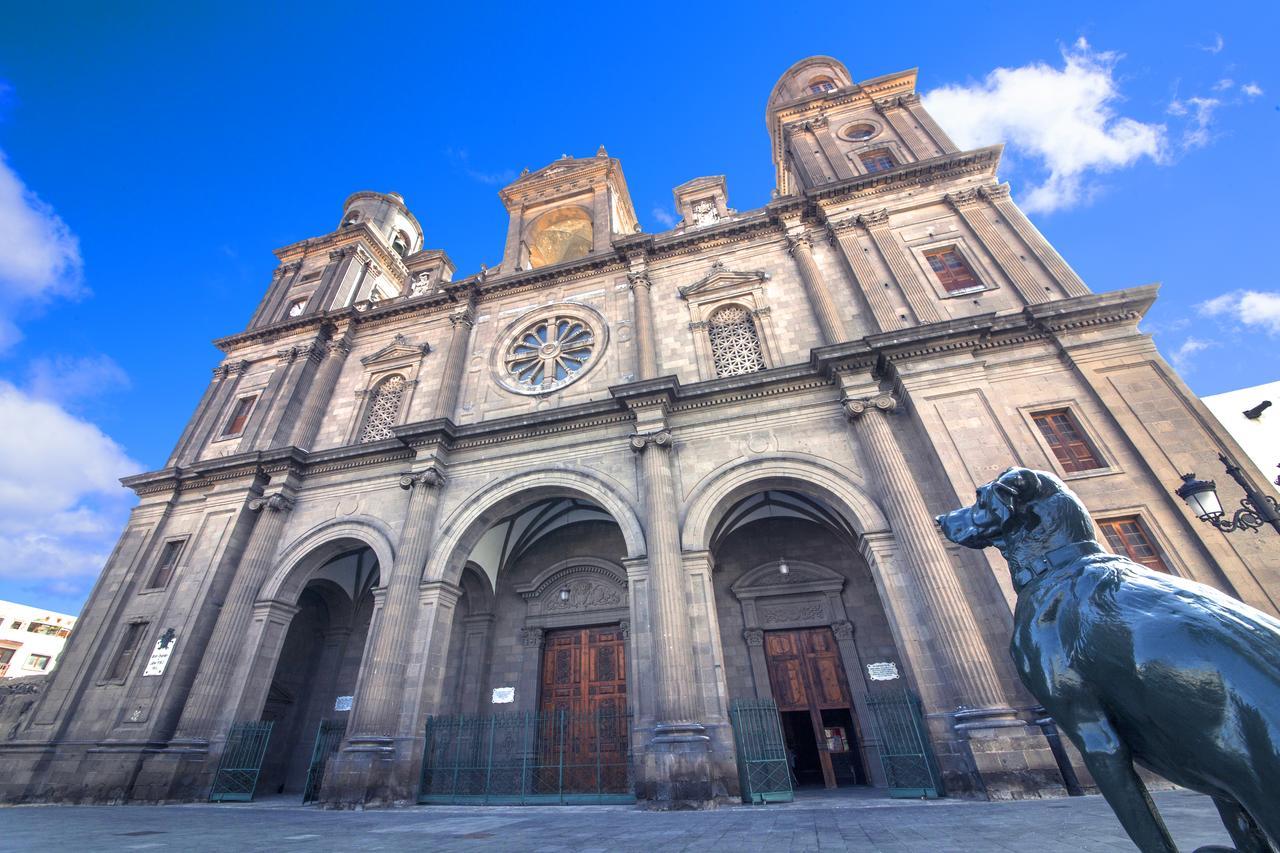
<point x="565" y="212"/>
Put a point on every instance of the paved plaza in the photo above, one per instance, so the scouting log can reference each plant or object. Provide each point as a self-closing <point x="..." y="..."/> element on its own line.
<point x="1073" y="825"/>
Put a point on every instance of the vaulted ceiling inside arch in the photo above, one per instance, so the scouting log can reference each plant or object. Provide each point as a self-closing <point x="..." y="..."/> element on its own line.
<point x="514" y="535"/>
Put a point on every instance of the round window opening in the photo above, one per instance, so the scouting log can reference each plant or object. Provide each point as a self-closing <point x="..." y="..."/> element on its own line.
<point x="549" y="353"/>
<point x="859" y="132"/>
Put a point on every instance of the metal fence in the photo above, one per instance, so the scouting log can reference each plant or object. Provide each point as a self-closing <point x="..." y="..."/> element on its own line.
<point x="908" y="761"/>
<point x="763" y="770"/>
<point x="328" y="738"/>
<point x="241" y="762"/>
<point x="552" y="757"/>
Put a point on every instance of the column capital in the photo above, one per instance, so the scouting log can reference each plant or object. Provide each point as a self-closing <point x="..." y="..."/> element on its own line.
<point x="465" y="316"/>
<point x="996" y="192"/>
<point x="963" y="198"/>
<point x="753" y="636"/>
<point x="641" y="441"/>
<point x="843" y="629"/>
<point x="874" y="218"/>
<point x="276" y="503"/>
<point x="532" y="637"/>
<point x="799" y="242"/>
<point x="884" y="104"/>
<point x="342" y="252"/>
<point x="909" y="100"/>
<point x="855" y="407"/>
<point x="639" y="279"/>
<point x="428" y="477"/>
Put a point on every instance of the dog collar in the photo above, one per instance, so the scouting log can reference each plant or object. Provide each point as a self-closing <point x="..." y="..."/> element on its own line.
<point x="1064" y="556"/>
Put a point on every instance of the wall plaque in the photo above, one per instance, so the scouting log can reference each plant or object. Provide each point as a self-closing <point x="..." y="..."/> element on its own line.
<point x="504" y="695"/>
<point x="160" y="654"/>
<point x="342" y="703"/>
<point x="882" y="671"/>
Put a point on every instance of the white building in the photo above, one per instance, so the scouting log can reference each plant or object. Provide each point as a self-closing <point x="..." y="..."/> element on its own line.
<point x="31" y="639"/>
<point x="1259" y="435"/>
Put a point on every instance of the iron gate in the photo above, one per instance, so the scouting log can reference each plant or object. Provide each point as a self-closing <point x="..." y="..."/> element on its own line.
<point x="904" y="744"/>
<point x="551" y="757"/>
<point x="763" y="769"/>
<point x="328" y="738"/>
<point x="237" y="775"/>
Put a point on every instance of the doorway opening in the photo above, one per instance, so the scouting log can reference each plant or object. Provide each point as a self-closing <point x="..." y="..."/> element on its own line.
<point x="315" y="676"/>
<point x="824" y="742"/>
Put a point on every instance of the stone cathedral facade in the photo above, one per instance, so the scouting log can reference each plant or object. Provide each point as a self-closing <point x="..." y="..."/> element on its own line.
<point x="645" y="476"/>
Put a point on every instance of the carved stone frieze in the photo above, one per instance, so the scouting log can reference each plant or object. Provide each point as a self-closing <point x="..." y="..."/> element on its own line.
<point x="532" y="637"/>
<point x="754" y="636"/>
<point x="584" y="594"/>
<point x="793" y="612"/>
<point x="875" y="218"/>
<point x="842" y="629"/>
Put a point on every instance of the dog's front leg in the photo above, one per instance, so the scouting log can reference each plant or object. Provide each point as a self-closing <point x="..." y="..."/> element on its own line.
<point x="1108" y="759"/>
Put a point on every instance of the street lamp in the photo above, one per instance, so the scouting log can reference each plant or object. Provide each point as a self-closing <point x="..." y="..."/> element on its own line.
<point x="1256" y="509"/>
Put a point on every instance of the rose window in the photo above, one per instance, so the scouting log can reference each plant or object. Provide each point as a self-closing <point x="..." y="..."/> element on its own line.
<point x="735" y="344"/>
<point x="549" y="353"/>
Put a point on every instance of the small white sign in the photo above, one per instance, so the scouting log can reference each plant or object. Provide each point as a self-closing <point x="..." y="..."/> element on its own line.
<point x="504" y="695"/>
<point x="342" y="703"/>
<point x="160" y="654"/>
<point x="882" y="671"/>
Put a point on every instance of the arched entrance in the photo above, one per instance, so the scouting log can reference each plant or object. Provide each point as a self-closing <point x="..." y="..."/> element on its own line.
<point x="800" y="621"/>
<point x="539" y="676"/>
<point x="319" y="661"/>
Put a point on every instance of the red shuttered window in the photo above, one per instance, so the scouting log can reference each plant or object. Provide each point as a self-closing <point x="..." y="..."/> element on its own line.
<point x="1067" y="441"/>
<point x="1128" y="536"/>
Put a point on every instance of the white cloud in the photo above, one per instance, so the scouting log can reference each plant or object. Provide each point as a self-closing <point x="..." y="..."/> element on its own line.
<point x="39" y="256"/>
<point x="1199" y="111"/>
<point x="65" y="379"/>
<point x="61" y="506"/>
<point x="1253" y="90"/>
<point x="1224" y="84"/>
<point x="1181" y="357"/>
<point x="1251" y="308"/>
<point x="1062" y="119"/>
<point x="1215" y="46"/>
<point x="664" y="217"/>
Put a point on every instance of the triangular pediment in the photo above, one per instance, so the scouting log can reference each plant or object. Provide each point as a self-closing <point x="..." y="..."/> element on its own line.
<point x="398" y="350"/>
<point x="720" y="277"/>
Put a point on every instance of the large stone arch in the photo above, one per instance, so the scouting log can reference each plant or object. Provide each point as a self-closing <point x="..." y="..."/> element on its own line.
<point x="490" y="504"/>
<point x="719" y="490"/>
<point x="315" y="547"/>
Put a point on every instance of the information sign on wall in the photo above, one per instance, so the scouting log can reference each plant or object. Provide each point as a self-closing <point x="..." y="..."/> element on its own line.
<point x="504" y="695"/>
<point x="160" y="654"/>
<point x="882" y="671"/>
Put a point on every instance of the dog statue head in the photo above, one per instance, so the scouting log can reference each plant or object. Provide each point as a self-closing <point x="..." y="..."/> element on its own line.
<point x="1023" y="513"/>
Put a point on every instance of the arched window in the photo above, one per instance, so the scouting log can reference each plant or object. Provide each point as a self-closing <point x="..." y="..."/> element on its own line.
<point x="735" y="344"/>
<point x="819" y="85"/>
<point x="401" y="244"/>
<point x="384" y="409"/>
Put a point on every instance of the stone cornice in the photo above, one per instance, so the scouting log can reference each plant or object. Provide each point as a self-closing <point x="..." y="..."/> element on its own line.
<point x="359" y="234"/>
<point x="980" y="161"/>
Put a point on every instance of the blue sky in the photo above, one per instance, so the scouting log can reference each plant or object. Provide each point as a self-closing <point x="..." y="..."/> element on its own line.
<point x="153" y="157"/>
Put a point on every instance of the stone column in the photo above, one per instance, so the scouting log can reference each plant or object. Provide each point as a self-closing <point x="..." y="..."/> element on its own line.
<point x="320" y="394"/>
<point x="920" y="146"/>
<point x="874" y="291"/>
<point x="854" y="673"/>
<point x="962" y="654"/>
<point x="1035" y="241"/>
<point x="754" y="638"/>
<point x="375" y="712"/>
<point x="334" y="274"/>
<point x="224" y="669"/>
<point x="820" y="129"/>
<point x="918" y="296"/>
<point x="269" y="308"/>
<point x="475" y="663"/>
<point x="677" y="761"/>
<point x="211" y="421"/>
<point x="912" y="105"/>
<point x="208" y="403"/>
<point x="461" y="322"/>
<point x="972" y="210"/>
<point x="279" y="406"/>
<point x="531" y="640"/>
<point x="646" y="346"/>
<point x="830" y="324"/>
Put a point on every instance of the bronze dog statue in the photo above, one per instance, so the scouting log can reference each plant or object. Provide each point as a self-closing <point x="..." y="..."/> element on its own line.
<point x="1136" y="665"/>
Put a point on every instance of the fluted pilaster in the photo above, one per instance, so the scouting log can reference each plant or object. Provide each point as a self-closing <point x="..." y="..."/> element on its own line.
<point x="963" y="655"/>
<point x="320" y="393"/>
<point x="824" y="308"/>
<point x="224" y="667"/>
<point x="673" y="649"/>
<point x="646" y="347"/>
<point x="461" y="321"/>
<point x="1071" y="283"/>
<point x="918" y="296"/>
<point x="376" y="709"/>
<point x="864" y="275"/>
<point x="972" y="210"/>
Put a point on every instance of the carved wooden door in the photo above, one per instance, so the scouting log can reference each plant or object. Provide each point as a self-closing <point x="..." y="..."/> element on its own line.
<point x="584" y="701"/>
<point x="807" y="674"/>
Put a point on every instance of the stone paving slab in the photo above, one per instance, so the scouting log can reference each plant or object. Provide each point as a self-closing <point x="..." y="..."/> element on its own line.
<point x="1075" y="825"/>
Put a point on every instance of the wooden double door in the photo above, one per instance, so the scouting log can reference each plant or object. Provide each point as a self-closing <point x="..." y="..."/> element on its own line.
<point x="809" y="687"/>
<point x="584" y="716"/>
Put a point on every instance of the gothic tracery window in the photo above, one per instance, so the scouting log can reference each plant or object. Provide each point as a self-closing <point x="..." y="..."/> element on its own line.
<point x="384" y="410"/>
<point x="735" y="343"/>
